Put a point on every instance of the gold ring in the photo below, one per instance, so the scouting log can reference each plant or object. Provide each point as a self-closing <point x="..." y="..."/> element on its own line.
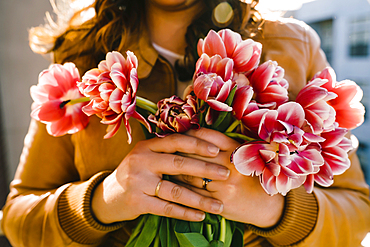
<point x="205" y="182"/>
<point x="158" y="187"/>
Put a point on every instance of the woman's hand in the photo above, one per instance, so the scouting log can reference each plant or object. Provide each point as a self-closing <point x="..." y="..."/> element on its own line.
<point x="243" y="197"/>
<point x="130" y="190"/>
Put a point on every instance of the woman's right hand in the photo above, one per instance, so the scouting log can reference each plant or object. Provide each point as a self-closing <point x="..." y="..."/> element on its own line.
<point x="130" y="190"/>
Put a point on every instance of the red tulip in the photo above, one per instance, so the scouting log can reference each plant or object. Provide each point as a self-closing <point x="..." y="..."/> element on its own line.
<point x="53" y="97"/>
<point x="175" y="115"/>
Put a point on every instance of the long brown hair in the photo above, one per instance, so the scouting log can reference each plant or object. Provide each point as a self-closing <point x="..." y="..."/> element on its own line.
<point x="116" y="23"/>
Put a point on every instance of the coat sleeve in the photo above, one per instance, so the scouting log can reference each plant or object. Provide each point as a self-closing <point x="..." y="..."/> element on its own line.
<point x="335" y="216"/>
<point x="45" y="200"/>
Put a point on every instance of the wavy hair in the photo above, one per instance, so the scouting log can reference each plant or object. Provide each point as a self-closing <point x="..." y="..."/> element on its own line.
<point x="98" y="35"/>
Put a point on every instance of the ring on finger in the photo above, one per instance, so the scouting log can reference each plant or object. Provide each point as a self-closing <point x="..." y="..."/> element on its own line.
<point x="205" y="182"/>
<point x="158" y="188"/>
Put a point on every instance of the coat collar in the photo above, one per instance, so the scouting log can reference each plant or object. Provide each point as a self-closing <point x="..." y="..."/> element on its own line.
<point x="145" y="53"/>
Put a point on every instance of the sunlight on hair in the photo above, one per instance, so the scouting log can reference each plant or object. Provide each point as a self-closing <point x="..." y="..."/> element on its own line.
<point x="86" y="14"/>
<point x="79" y="4"/>
<point x="366" y="241"/>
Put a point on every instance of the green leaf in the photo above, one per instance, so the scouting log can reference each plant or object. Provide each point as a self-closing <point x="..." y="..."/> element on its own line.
<point x="230" y="98"/>
<point x="203" y="107"/>
<point x="149" y="231"/>
<point x="196" y="226"/>
<point x="222" y="115"/>
<point x="239" y="136"/>
<point x="192" y="239"/>
<point x="217" y="243"/>
<point x="137" y="230"/>
<point x="187" y="238"/>
<point x="238" y="234"/>
<point x="212" y="219"/>
<point x="167" y="234"/>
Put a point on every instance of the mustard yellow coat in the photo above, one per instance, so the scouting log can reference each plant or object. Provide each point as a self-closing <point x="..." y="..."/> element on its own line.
<point x="49" y="200"/>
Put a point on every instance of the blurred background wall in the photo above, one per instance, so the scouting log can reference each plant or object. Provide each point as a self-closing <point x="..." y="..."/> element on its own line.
<point x="19" y="69"/>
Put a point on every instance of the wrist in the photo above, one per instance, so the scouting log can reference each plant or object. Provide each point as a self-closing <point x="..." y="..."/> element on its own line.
<point x="272" y="211"/>
<point x="98" y="204"/>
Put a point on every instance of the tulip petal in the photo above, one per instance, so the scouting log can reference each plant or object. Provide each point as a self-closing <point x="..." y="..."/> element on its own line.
<point x="49" y="111"/>
<point x="247" y="159"/>
<point x="213" y="45"/>
<point x="113" y="129"/>
<point x="292" y="113"/>
<point x="268" y="182"/>
<point x="218" y="106"/>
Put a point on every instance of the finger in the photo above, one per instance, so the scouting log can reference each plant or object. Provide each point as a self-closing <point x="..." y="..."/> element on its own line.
<point x="194" y="181"/>
<point x="212" y="136"/>
<point x="223" y="158"/>
<point x="172" y="164"/>
<point x="160" y="207"/>
<point x="175" y="193"/>
<point x="183" y="143"/>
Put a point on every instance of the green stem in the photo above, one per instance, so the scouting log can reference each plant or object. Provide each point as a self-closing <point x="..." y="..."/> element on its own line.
<point x="209" y="232"/>
<point x="157" y="241"/>
<point x="233" y="125"/>
<point x="79" y="100"/>
<point x="223" y="230"/>
<point x="239" y="136"/>
<point x="146" y="104"/>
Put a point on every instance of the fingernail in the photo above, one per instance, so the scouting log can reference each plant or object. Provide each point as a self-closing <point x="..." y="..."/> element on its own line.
<point x="217" y="207"/>
<point x="213" y="149"/>
<point x="200" y="215"/>
<point x="224" y="172"/>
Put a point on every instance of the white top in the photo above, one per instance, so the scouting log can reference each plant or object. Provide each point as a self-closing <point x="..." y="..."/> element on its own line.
<point x="172" y="57"/>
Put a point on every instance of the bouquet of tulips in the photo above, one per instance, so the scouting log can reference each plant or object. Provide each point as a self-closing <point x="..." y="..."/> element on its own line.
<point x="285" y="143"/>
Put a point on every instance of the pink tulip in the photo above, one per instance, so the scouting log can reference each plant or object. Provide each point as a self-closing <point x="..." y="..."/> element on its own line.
<point x="268" y="84"/>
<point x="335" y="154"/>
<point x="112" y="88"/>
<point x="212" y="83"/>
<point x="175" y="115"/>
<point x="243" y="96"/>
<point x="226" y="43"/>
<point x="349" y="110"/>
<point x="314" y="100"/>
<point x="223" y="67"/>
<point x="53" y="96"/>
<point x="288" y="153"/>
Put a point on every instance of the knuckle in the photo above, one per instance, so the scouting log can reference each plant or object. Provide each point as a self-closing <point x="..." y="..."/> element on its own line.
<point x="197" y="143"/>
<point x="134" y="158"/>
<point x="178" y="162"/>
<point x="201" y="132"/>
<point x="168" y="209"/>
<point x="188" y="178"/>
<point x="186" y="213"/>
<point x="176" y="192"/>
<point x="202" y="202"/>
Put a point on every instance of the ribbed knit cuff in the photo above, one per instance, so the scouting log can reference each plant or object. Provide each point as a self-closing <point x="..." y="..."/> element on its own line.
<point x="299" y="218"/>
<point x="75" y="216"/>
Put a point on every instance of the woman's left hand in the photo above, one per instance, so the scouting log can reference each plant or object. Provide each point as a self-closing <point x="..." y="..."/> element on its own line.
<point x="243" y="196"/>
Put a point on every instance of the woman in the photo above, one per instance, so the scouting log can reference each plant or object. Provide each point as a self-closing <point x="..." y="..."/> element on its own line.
<point x="80" y="190"/>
